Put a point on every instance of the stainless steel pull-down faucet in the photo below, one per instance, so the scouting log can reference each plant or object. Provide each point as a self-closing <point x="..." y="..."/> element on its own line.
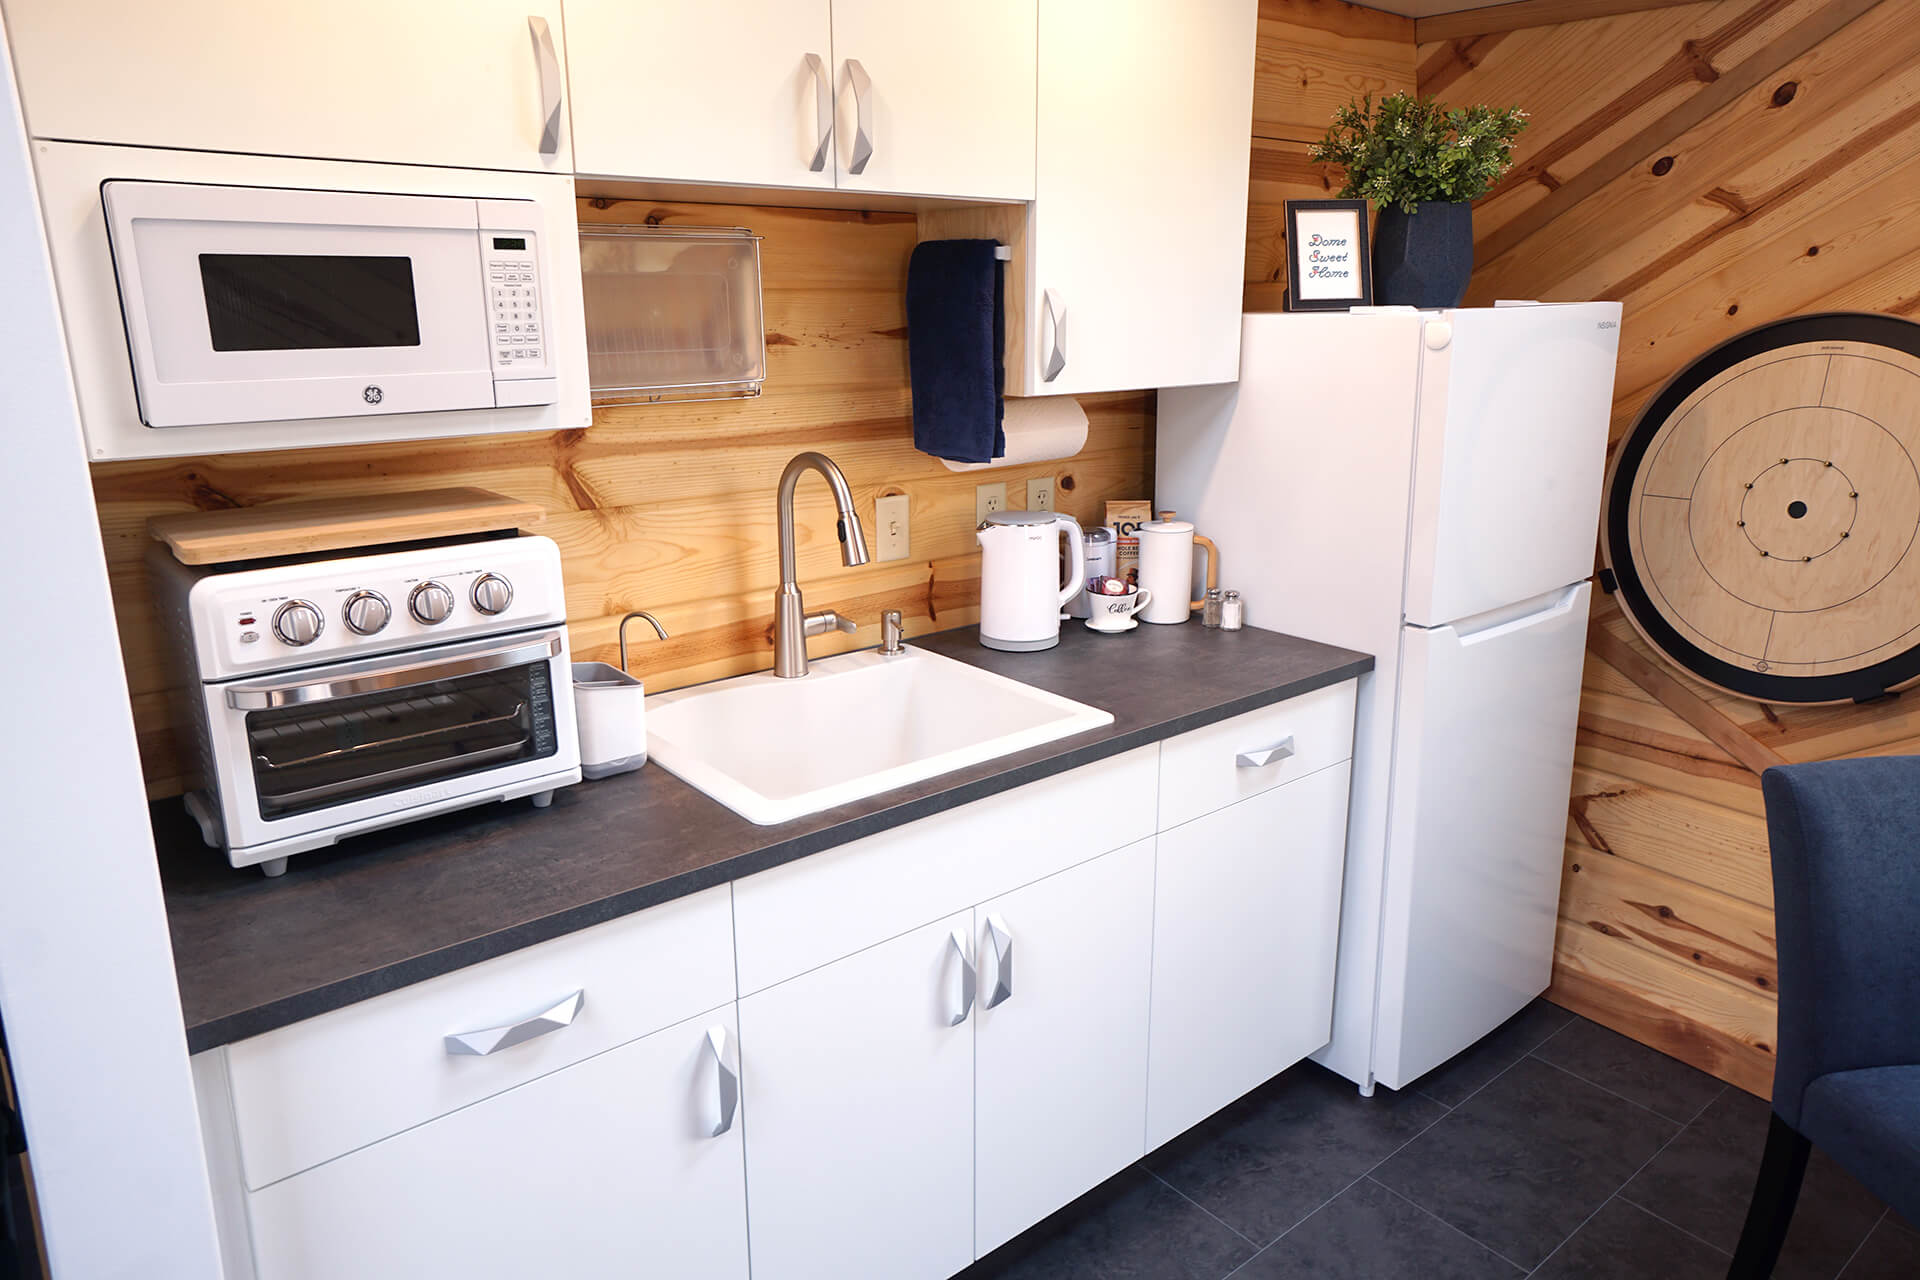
<point x="792" y="624"/>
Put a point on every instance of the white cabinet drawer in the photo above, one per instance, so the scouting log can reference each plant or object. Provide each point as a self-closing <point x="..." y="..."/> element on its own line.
<point x="323" y="1087"/>
<point x="1214" y="767"/>
<point x="808" y="913"/>
<point x="1246" y="924"/>
<point x="607" y="1168"/>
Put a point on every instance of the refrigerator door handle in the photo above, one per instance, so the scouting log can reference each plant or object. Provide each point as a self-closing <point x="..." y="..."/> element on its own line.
<point x="1500" y="622"/>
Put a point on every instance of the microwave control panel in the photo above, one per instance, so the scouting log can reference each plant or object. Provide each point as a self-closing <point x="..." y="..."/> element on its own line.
<point x="513" y="295"/>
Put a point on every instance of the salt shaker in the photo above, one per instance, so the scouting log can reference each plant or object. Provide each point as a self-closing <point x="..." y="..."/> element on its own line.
<point x="1233" y="611"/>
<point x="1210" y="614"/>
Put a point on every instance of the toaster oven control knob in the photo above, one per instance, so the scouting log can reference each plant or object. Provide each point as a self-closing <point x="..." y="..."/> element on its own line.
<point x="367" y="612"/>
<point x="492" y="594"/>
<point x="297" y="622"/>
<point x="431" y="603"/>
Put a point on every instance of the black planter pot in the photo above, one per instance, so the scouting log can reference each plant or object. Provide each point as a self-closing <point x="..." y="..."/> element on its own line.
<point x="1423" y="258"/>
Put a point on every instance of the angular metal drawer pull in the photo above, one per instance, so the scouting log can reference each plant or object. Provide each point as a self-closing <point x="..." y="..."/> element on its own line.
<point x="964" y="1003"/>
<point x="726" y="1079"/>
<point x="1265" y="755"/>
<point x="550" y="83"/>
<point x="479" y="1044"/>
<point x="823" y="108"/>
<point x="1002" y="939"/>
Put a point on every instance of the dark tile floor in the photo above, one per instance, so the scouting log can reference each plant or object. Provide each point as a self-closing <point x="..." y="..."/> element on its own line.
<point x="1553" y="1148"/>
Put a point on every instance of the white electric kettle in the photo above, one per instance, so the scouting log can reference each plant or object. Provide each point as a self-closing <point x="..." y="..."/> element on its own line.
<point x="1021" y="593"/>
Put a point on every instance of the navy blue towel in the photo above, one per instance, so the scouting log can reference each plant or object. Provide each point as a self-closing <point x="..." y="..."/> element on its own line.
<point x="956" y="330"/>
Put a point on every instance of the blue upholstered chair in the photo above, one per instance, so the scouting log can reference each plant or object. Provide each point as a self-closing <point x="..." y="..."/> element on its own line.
<point x="1846" y="900"/>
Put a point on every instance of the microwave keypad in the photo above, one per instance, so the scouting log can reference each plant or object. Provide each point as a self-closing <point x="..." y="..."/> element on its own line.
<point x="516" y="312"/>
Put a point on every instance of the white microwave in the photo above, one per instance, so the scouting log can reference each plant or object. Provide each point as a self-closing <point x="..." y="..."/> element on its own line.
<point x="256" y="304"/>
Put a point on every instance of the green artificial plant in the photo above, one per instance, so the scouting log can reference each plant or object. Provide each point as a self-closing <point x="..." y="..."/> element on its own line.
<point x="1407" y="149"/>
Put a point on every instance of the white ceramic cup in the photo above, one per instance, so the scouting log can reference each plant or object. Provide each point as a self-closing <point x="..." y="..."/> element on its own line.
<point x="1115" y="613"/>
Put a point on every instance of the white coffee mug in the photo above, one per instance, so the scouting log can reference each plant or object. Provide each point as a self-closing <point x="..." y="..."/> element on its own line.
<point x="1115" y="613"/>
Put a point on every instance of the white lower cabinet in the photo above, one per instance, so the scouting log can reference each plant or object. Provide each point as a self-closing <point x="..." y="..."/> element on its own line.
<point x="1060" y="1042"/>
<point x="947" y="1032"/>
<point x="608" y="1167"/>
<point x="1246" y="925"/>
<point x="858" y="1082"/>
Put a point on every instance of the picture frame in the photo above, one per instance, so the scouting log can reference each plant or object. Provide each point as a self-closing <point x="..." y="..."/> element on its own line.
<point x="1329" y="257"/>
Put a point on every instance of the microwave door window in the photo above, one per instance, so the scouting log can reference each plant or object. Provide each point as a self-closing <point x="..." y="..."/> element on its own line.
<point x="315" y="755"/>
<point x="308" y="302"/>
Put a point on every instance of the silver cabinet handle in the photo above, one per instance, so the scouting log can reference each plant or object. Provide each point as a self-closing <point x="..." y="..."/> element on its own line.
<point x="1266" y="755"/>
<point x="822" y="109"/>
<point x="549" y="84"/>
<point x="1057" y="314"/>
<point x="1002" y="939"/>
<point x="964" y="1005"/>
<point x="863" y="116"/>
<point x="478" y="1044"/>
<point x="726" y="1078"/>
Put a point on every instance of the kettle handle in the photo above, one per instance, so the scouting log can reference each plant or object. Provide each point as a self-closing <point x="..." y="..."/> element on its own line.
<point x="1213" y="568"/>
<point x="1076" y="559"/>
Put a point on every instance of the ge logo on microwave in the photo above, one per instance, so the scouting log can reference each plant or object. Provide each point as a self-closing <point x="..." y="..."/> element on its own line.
<point x="373" y="395"/>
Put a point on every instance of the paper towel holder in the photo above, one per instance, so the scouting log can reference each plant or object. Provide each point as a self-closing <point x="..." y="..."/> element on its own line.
<point x="1030" y="440"/>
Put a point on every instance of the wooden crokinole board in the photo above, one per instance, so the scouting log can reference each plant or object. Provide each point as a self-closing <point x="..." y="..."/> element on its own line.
<point x="1761" y="516"/>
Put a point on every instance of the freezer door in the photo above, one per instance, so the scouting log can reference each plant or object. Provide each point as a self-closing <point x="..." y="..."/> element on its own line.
<point x="1511" y="455"/>
<point x="1483" y="762"/>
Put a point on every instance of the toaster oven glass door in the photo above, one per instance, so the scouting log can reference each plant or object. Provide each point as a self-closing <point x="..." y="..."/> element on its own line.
<point x="258" y="305"/>
<point x="321" y="750"/>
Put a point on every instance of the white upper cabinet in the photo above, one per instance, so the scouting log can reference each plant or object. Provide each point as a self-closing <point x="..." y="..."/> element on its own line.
<point x="476" y="85"/>
<point x="724" y="91"/>
<point x="936" y="99"/>
<point x="896" y="96"/>
<point x="1137" y="238"/>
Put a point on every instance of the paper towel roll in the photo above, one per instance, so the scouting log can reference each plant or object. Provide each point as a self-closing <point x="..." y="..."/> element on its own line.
<point x="1039" y="428"/>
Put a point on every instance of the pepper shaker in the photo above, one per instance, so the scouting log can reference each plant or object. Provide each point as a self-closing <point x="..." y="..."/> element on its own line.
<point x="1233" y="611"/>
<point x="1210" y="611"/>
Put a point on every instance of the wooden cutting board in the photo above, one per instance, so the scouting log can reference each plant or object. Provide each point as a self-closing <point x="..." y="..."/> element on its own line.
<point x="337" y="524"/>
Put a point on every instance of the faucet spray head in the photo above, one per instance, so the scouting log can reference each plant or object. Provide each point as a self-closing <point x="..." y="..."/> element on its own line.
<point x="853" y="542"/>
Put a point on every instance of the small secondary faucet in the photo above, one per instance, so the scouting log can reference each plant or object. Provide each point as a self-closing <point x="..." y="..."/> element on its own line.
<point x="792" y="624"/>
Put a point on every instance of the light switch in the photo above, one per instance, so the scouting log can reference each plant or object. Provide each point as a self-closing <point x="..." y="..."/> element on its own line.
<point x="890" y="522"/>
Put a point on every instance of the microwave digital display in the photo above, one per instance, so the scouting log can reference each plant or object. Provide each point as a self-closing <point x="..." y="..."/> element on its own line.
<point x="306" y="302"/>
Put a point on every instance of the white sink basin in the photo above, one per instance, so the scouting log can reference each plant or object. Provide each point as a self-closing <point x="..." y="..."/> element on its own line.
<point x="858" y="724"/>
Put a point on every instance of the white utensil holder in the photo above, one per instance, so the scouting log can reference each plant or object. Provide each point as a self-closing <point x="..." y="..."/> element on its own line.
<point x="611" y="707"/>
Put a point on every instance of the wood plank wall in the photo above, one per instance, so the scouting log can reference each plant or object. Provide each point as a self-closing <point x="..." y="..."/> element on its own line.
<point x="1712" y="166"/>
<point x="1313" y="57"/>
<point x="671" y="507"/>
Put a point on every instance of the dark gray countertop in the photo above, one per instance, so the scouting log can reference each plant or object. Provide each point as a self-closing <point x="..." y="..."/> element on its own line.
<point x="394" y="907"/>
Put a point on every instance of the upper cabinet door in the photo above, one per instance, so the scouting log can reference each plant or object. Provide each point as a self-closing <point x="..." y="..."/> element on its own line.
<point x="725" y="91"/>
<point x="1138" y="239"/>
<point x="480" y="84"/>
<point x="937" y="99"/>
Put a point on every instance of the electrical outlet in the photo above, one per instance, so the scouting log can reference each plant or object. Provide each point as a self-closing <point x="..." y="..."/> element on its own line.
<point x="1040" y="494"/>
<point x="890" y="527"/>
<point x="987" y="499"/>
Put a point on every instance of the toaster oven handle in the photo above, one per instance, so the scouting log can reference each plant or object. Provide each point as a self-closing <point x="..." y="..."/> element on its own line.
<point x="256" y="697"/>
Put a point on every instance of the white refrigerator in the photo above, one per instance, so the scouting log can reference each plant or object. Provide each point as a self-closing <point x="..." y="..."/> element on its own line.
<point x="1424" y="487"/>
